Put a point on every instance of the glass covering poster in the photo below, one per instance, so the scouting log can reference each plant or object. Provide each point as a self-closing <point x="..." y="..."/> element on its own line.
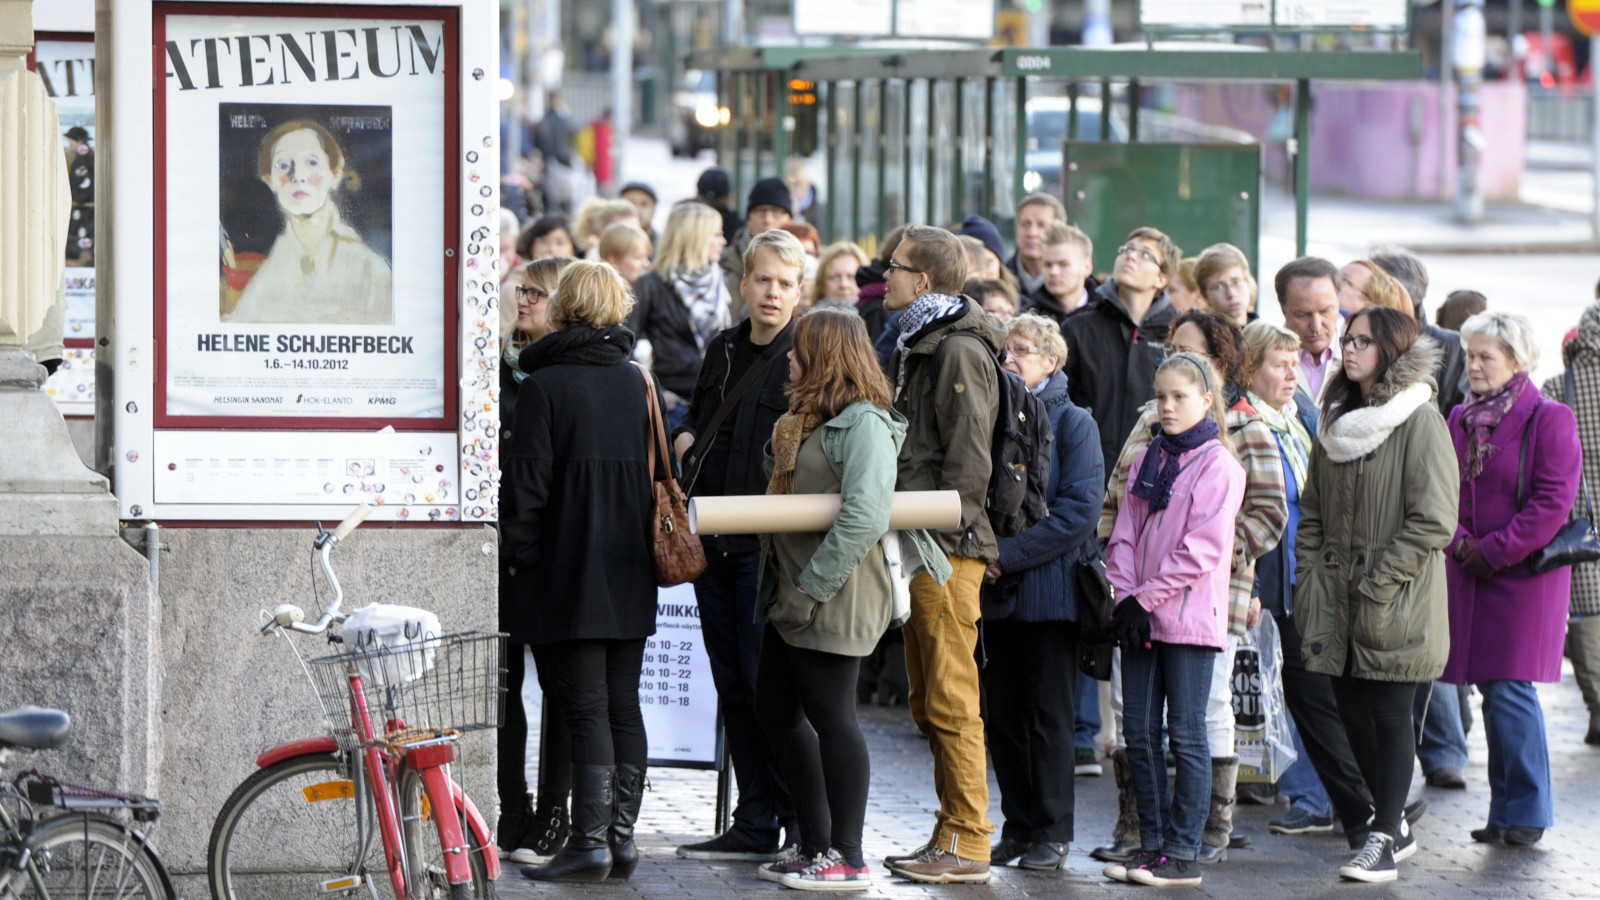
<point x="303" y="230"/>
<point x="66" y="68"/>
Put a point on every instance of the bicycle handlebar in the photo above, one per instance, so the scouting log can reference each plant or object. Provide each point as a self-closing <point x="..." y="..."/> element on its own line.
<point x="291" y="617"/>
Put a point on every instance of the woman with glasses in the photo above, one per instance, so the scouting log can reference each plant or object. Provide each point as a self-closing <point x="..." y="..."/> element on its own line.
<point x="1520" y="466"/>
<point x="528" y="834"/>
<point x="1378" y="511"/>
<point x="1223" y="275"/>
<point x="1030" y="619"/>
<point x="1259" y="527"/>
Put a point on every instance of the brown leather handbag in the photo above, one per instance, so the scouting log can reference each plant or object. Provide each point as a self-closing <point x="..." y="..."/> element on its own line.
<point x="677" y="553"/>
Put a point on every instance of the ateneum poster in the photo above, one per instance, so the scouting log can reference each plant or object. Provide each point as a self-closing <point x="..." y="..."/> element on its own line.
<point x="305" y="271"/>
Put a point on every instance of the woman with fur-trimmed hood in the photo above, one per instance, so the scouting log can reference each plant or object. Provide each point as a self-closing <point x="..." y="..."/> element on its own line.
<point x="1379" y="507"/>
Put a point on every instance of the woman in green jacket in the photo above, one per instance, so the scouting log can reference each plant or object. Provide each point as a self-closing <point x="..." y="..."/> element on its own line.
<point x="828" y="596"/>
<point x="1378" y="510"/>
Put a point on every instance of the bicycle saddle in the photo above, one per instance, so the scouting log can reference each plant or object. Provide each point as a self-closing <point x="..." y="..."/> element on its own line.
<point x="33" y="727"/>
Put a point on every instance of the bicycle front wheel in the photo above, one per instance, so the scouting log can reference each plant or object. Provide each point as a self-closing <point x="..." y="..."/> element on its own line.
<point x="85" y="857"/>
<point x="290" y="831"/>
<point x="419" y="825"/>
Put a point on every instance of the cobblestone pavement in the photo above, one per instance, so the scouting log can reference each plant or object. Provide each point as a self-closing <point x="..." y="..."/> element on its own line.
<point x="900" y="815"/>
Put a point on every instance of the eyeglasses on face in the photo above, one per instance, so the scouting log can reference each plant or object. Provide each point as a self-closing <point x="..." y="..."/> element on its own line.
<point x="531" y="294"/>
<point x="1225" y="288"/>
<point x="894" y="265"/>
<point x="1358" y="341"/>
<point x="1019" y="350"/>
<point x="1138" y="253"/>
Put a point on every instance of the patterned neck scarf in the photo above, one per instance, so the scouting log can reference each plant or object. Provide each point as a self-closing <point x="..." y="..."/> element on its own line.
<point x="925" y="309"/>
<point x="1292" y="436"/>
<point x="511" y="355"/>
<point x="1156" y="475"/>
<point x="787" y="436"/>
<point x="701" y="292"/>
<point x="1480" y="415"/>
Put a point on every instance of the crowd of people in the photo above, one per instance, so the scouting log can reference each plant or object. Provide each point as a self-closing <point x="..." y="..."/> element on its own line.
<point x="1375" y="484"/>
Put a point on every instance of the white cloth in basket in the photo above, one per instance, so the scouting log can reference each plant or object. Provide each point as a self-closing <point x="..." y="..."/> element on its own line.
<point x="396" y="643"/>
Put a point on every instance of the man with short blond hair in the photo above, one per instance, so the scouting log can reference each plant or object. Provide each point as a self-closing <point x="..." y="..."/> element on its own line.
<point x="1068" y="265"/>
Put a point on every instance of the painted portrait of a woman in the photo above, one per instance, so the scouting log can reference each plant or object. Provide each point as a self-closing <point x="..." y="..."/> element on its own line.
<point x="319" y="269"/>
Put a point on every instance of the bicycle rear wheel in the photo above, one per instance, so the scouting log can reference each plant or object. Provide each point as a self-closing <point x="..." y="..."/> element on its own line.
<point x="290" y="831"/>
<point x="86" y="857"/>
<point x="425" y="852"/>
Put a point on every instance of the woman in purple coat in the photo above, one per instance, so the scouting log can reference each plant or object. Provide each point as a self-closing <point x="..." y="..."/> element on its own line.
<point x="1506" y="623"/>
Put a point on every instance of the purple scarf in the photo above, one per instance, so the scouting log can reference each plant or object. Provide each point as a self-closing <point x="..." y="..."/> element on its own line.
<point x="1481" y="415"/>
<point x="1154" y="483"/>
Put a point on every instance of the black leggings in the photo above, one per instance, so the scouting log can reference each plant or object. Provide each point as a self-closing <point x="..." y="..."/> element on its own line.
<point x="555" y="744"/>
<point x="806" y="700"/>
<point x="598" y="683"/>
<point x="1378" y="721"/>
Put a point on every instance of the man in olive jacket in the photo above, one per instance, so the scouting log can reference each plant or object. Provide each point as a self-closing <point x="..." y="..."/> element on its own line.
<point x="946" y="385"/>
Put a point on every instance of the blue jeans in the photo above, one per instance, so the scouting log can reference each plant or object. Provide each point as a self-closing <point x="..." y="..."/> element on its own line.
<point x="1177" y="678"/>
<point x="1300" y="782"/>
<point x="1086" y="722"/>
<point x="1519" y="756"/>
<point x="1444" y="741"/>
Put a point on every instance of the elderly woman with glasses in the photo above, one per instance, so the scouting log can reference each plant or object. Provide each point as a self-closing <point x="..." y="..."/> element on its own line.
<point x="1520" y="466"/>
<point x="1030" y="618"/>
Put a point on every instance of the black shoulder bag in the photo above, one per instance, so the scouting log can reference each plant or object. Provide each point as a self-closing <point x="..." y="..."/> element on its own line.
<point x="697" y="451"/>
<point x="1576" y="542"/>
<point x="1095" y="602"/>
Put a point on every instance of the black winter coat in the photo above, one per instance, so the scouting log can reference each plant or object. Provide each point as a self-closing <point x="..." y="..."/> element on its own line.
<point x="740" y="470"/>
<point x="661" y="318"/>
<point x="1045" y="303"/>
<point x="1452" y="367"/>
<point x="579" y="506"/>
<point x="1037" y="581"/>
<point x="1111" y="363"/>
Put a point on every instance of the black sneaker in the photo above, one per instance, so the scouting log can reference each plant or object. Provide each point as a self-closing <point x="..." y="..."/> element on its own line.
<point x="1299" y="821"/>
<point x="1085" y="763"/>
<point x="1405" y="845"/>
<point x="1123" y="871"/>
<point x="545" y="837"/>
<point x="1375" y="863"/>
<point x="1167" y="872"/>
<point x="732" y="846"/>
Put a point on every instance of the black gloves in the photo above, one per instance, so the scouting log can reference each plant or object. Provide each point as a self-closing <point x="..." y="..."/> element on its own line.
<point x="1130" y="624"/>
<point x="1470" y="556"/>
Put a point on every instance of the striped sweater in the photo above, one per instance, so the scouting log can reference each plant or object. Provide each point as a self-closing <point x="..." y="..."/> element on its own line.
<point x="1262" y="517"/>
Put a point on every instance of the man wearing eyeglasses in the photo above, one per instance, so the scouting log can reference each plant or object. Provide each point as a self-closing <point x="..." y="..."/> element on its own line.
<point x="1115" y="344"/>
<point x="946" y="385"/>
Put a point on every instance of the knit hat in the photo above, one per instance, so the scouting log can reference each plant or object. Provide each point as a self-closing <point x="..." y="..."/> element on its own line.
<point x="714" y="182"/>
<point x="772" y="191"/>
<point x="984" y="230"/>
<point x="641" y="186"/>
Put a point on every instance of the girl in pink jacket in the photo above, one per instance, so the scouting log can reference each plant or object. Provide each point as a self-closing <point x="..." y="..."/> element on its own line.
<point x="1168" y="561"/>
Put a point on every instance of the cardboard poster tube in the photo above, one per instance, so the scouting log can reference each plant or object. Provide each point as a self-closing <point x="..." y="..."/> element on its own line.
<point x="774" y="513"/>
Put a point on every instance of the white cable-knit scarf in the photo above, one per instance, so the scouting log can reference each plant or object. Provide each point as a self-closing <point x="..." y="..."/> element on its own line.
<point x="1361" y="431"/>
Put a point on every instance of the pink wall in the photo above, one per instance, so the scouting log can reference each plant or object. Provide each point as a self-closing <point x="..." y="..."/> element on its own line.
<point x="1361" y="134"/>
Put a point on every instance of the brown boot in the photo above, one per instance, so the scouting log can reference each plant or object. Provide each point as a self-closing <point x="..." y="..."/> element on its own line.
<point x="1583" y="648"/>
<point x="1125" y="834"/>
<point x="1219" y="823"/>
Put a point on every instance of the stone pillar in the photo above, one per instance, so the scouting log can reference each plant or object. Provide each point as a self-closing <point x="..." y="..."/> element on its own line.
<point x="79" y="628"/>
<point x="44" y="487"/>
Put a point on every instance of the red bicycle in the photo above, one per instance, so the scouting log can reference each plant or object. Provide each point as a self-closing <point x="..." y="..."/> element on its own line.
<point x="364" y="811"/>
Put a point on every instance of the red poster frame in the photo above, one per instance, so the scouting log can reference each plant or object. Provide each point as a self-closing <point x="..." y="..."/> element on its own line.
<point x="65" y="37"/>
<point x="450" y="17"/>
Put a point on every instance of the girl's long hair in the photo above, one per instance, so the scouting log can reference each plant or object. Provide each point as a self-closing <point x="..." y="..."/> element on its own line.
<point x="1198" y="371"/>
<point x="837" y="365"/>
<point x="1393" y="333"/>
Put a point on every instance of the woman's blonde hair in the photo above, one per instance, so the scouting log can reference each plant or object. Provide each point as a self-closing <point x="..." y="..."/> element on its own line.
<point x="1384" y="289"/>
<point x="595" y="214"/>
<point x="687" y="239"/>
<point x="589" y="293"/>
<point x="1199" y="372"/>
<point x="837" y="365"/>
<point x="829" y="254"/>
<point x="1259" y="338"/>
<point x="621" y="239"/>
<point x="1043" y="333"/>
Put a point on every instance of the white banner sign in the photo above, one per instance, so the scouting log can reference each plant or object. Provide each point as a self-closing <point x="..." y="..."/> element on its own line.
<point x="304" y="218"/>
<point x="1291" y="14"/>
<point x="676" y="693"/>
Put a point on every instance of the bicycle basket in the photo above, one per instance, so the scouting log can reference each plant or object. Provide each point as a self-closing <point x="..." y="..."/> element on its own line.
<point x="452" y="681"/>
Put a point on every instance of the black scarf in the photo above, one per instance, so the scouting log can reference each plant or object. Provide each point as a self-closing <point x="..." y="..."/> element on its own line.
<point x="1154" y="483"/>
<point x="579" y="346"/>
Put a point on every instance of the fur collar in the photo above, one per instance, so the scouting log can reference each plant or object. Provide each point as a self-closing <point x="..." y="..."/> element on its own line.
<point x="1403" y="389"/>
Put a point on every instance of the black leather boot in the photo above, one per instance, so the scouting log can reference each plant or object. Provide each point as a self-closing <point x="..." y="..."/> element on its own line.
<point x="587" y="855"/>
<point x="629" y="790"/>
